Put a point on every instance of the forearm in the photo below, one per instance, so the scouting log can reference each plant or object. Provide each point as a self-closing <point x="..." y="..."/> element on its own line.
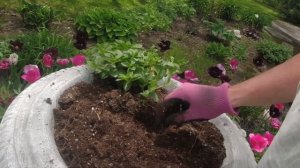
<point x="278" y="84"/>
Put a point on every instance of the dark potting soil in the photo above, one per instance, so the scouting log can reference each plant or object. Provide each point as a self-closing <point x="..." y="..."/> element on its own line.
<point x="99" y="127"/>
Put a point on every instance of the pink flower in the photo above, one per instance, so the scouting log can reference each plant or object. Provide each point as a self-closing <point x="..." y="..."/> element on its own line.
<point x="78" y="60"/>
<point x="269" y="137"/>
<point x="279" y="106"/>
<point x="190" y="75"/>
<point x="47" y="61"/>
<point x="222" y="68"/>
<point x="4" y="64"/>
<point x="234" y="64"/>
<point x="178" y="78"/>
<point x="275" y="123"/>
<point x="62" y="62"/>
<point x="31" y="73"/>
<point x="257" y="142"/>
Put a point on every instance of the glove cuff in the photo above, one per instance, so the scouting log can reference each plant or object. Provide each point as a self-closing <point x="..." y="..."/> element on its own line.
<point x="225" y="104"/>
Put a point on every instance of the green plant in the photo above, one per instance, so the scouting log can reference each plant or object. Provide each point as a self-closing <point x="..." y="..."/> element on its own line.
<point x="229" y="10"/>
<point x="255" y="19"/>
<point x="149" y="18"/>
<point x="239" y="51"/>
<point x="204" y="8"/>
<point x="4" y="49"/>
<point x="220" y="34"/>
<point x="37" y="42"/>
<point x="106" y="24"/>
<point x="36" y="15"/>
<point x="217" y="51"/>
<point x="131" y="66"/>
<point x="273" y="52"/>
<point x="175" y="8"/>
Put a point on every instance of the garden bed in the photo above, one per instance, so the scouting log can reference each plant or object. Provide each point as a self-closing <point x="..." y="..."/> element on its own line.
<point x="98" y="126"/>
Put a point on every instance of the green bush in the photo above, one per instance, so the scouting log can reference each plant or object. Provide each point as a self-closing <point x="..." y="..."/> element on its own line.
<point x="291" y="10"/>
<point x="131" y="66"/>
<point x="255" y="19"/>
<point x="239" y="51"/>
<point x="36" y="15"/>
<point x="219" y="33"/>
<point x="229" y="10"/>
<point x="204" y="8"/>
<point x="217" y="51"/>
<point x="36" y="43"/>
<point x="273" y="52"/>
<point x="175" y="8"/>
<point x="4" y="49"/>
<point x="149" y="18"/>
<point x="106" y="24"/>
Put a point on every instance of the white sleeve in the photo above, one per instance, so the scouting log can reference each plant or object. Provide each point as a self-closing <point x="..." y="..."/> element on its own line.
<point x="284" y="152"/>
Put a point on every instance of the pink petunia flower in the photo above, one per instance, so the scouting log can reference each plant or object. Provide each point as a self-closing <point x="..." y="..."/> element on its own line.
<point x="31" y="73"/>
<point x="257" y="142"/>
<point x="62" y="61"/>
<point x="222" y="68"/>
<point x="178" y="78"/>
<point x="279" y="106"/>
<point x="234" y="64"/>
<point x="48" y="61"/>
<point x="275" y="123"/>
<point x="4" y="64"/>
<point x="190" y="75"/>
<point x="78" y="60"/>
<point x="269" y="137"/>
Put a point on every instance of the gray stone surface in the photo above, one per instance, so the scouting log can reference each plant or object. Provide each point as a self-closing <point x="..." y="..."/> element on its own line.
<point x="286" y="32"/>
<point x="27" y="127"/>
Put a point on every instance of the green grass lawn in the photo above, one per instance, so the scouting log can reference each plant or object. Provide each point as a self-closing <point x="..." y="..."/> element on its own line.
<point x="69" y="8"/>
<point x="260" y="7"/>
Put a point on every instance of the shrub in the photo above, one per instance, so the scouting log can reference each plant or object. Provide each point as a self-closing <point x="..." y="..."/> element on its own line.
<point x="217" y="51"/>
<point x="106" y="24"/>
<point x="4" y="49"/>
<point x="35" y="15"/>
<point x="36" y="43"/>
<point x="131" y="66"/>
<point x="175" y="8"/>
<point x="239" y="51"/>
<point x="149" y="18"/>
<point x="219" y="33"/>
<point x="228" y="10"/>
<point x="203" y="7"/>
<point x="273" y="52"/>
<point x="255" y="19"/>
<point x="291" y="10"/>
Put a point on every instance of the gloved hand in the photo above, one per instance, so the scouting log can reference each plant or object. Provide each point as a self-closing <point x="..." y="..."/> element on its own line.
<point x="197" y="102"/>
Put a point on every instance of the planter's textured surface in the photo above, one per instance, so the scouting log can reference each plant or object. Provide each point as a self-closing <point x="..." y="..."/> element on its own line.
<point x="26" y="130"/>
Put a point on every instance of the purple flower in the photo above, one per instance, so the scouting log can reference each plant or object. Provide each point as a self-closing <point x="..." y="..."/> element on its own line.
<point x="4" y="64"/>
<point x="221" y="67"/>
<point x="48" y="61"/>
<point x="31" y="73"/>
<point x="234" y="64"/>
<point x="275" y="123"/>
<point x="164" y="45"/>
<point x="225" y="78"/>
<point x="53" y="52"/>
<point x="258" y="61"/>
<point x="215" y="72"/>
<point x="62" y="62"/>
<point x="16" y="45"/>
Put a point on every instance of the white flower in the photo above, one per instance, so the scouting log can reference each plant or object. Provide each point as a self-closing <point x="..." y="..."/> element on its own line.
<point x="13" y="58"/>
<point x="256" y="15"/>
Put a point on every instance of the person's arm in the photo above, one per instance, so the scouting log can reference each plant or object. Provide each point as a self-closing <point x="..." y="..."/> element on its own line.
<point x="278" y="84"/>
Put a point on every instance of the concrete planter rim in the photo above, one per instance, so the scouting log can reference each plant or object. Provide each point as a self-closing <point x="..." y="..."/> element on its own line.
<point x="27" y="128"/>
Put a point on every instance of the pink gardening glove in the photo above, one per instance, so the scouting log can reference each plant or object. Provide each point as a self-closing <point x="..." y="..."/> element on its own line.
<point x="202" y="102"/>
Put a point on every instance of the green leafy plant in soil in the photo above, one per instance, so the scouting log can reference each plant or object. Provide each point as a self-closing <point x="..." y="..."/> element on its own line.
<point x="4" y="49"/>
<point x="35" y="15"/>
<point x="273" y="52"/>
<point x="218" y="51"/>
<point x="219" y="33"/>
<point x="131" y="66"/>
<point x="229" y="10"/>
<point x="149" y="18"/>
<point x="255" y="19"/>
<point x="106" y="24"/>
<point x="175" y="8"/>
<point x="204" y="8"/>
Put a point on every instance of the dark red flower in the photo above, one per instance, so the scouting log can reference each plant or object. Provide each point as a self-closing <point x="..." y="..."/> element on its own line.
<point x="215" y="72"/>
<point x="164" y="45"/>
<point x="274" y="112"/>
<point x="258" y="61"/>
<point x="16" y="45"/>
<point x="225" y="78"/>
<point x="53" y="52"/>
<point x="81" y="36"/>
<point x="80" y="46"/>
